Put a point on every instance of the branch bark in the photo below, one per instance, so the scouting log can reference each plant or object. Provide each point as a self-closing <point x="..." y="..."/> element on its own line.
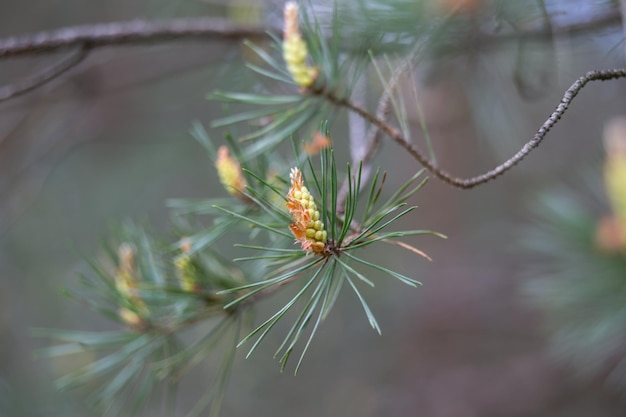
<point x="126" y="33"/>
<point x="143" y="31"/>
<point x="43" y="77"/>
<point x="138" y="32"/>
<point x="467" y="183"/>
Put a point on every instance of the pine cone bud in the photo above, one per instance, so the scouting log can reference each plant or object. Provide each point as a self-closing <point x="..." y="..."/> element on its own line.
<point x="229" y="172"/>
<point x="307" y="226"/>
<point x="295" y="50"/>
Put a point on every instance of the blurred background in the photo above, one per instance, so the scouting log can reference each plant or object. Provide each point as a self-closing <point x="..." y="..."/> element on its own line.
<point x="109" y="141"/>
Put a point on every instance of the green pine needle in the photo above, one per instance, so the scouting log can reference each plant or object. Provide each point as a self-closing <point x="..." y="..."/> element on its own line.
<point x="347" y="233"/>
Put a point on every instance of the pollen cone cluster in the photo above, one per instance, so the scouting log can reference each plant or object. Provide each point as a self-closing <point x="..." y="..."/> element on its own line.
<point x="611" y="231"/>
<point x="615" y="168"/>
<point x="186" y="268"/>
<point x="307" y="226"/>
<point x="126" y="282"/>
<point x="229" y="172"/>
<point x="294" y="49"/>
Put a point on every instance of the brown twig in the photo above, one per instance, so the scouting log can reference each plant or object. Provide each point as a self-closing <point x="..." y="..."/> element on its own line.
<point x="143" y="31"/>
<point x="126" y="33"/>
<point x="467" y="183"/>
<point x="43" y="77"/>
<point x="90" y="37"/>
<point x="136" y="32"/>
<point x="374" y="134"/>
<point x="373" y="141"/>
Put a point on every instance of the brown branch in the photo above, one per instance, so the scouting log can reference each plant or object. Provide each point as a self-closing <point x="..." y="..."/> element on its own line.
<point x="467" y="183"/>
<point x="126" y="33"/>
<point x="374" y="134"/>
<point x="142" y="31"/>
<point x="43" y="77"/>
<point x="137" y="32"/>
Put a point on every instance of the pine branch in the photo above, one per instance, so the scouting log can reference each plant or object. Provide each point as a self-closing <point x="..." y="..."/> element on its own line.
<point x="143" y="31"/>
<point x="90" y="37"/>
<point x="139" y="32"/>
<point x="132" y="32"/>
<point x="467" y="183"/>
<point x="43" y="77"/>
<point x="374" y="135"/>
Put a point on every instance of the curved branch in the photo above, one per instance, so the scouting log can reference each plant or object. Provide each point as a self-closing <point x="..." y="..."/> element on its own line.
<point x="124" y="33"/>
<point x="43" y="77"/>
<point x="467" y="183"/>
<point x="136" y="32"/>
<point x="143" y="31"/>
<point x="374" y="134"/>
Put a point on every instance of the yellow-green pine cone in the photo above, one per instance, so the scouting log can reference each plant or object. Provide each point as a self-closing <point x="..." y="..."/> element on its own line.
<point x="615" y="179"/>
<point x="127" y="279"/>
<point x="185" y="267"/>
<point x="229" y="172"/>
<point x="307" y="227"/>
<point x="295" y="50"/>
<point x="315" y="226"/>
<point x="186" y="273"/>
<point x="124" y="278"/>
<point x="131" y="318"/>
<point x="615" y="170"/>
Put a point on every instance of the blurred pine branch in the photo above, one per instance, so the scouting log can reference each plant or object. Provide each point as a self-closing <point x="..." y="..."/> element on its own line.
<point x="182" y="300"/>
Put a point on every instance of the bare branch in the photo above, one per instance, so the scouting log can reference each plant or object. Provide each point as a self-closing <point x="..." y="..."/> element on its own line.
<point x="126" y="33"/>
<point x="371" y="143"/>
<point x="142" y="31"/>
<point x="374" y="136"/>
<point x="43" y="77"/>
<point x="467" y="183"/>
<point x="136" y="32"/>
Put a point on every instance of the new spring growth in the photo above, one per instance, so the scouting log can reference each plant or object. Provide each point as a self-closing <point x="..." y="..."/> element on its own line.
<point x="295" y="51"/>
<point x="307" y="226"/>
<point x="186" y="269"/>
<point x="229" y="172"/>
<point x="319" y="142"/>
<point x="612" y="230"/>
<point x="126" y="280"/>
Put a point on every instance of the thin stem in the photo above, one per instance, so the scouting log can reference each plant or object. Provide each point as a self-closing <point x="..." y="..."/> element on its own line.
<point x="374" y="134"/>
<point x="467" y="183"/>
<point x="43" y="77"/>
<point x="125" y="33"/>
<point x="142" y="31"/>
